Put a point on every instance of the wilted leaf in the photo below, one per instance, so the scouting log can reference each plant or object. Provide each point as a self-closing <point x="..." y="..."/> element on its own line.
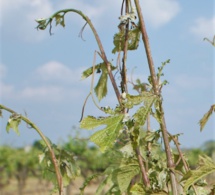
<point x="41" y="23"/>
<point x="89" y="71"/>
<point x="13" y="123"/>
<point x="101" y="87"/>
<point x="132" y="100"/>
<point x="60" y="20"/>
<point x="133" y="40"/>
<point x="206" y="167"/>
<point x="152" y="136"/>
<point x="205" y="118"/>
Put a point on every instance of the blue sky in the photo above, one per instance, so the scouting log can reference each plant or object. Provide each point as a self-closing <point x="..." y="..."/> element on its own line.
<point x="41" y="74"/>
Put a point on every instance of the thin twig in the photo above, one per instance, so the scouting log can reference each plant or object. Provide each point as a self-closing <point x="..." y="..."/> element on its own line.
<point x="81" y="32"/>
<point x="82" y="112"/>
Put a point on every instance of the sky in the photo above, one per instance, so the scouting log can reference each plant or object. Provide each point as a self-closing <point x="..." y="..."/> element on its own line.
<point x="40" y="75"/>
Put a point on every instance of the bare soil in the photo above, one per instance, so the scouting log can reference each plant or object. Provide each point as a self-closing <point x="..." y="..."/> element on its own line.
<point x="35" y="186"/>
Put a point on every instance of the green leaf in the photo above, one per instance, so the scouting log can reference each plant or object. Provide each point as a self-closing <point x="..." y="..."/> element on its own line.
<point x="133" y="40"/>
<point x="205" y="118"/>
<point x="13" y="123"/>
<point x="97" y="67"/>
<point x="160" y="69"/>
<point x="101" y="87"/>
<point x="152" y="136"/>
<point x="123" y="176"/>
<point x="206" y="167"/>
<point x="132" y="100"/>
<point x="89" y="71"/>
<point x="67" y="164"/>
<point x="137" y="189"/>
<point x="142" y="113"/>
<point x="105" y="137"/>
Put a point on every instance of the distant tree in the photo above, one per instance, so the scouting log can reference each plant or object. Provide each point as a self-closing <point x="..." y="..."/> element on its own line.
<point x="209" y="147"/>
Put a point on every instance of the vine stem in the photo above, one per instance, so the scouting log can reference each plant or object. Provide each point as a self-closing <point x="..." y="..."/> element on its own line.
<point x="144" y="174"/>
<point x="124" y="87"/>
<point x="53" y="157"/>
<point x="103" y="55"/>
<point x="170" y="162"/>
<point x="182" y="158"/>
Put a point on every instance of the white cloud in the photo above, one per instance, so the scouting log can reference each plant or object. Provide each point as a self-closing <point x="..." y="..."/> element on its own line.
<point x="160" y="12"/>
<point x="204" y="27"/>
<point x="57" y="71"/>
<point x="51" y="93"/>
<point x="18" y="18"/>
<point x="54" y="82"/>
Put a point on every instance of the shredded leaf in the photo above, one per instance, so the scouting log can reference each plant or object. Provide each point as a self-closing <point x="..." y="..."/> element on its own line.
<point x="133" y="40"/>
<point x="141" y="115"/>
<point x="60" y="20"/>
<point x="101" y="87"/>
<point x="13" y="123"/>
<point x="105" y="137"/>
<point x="205" y="118"/>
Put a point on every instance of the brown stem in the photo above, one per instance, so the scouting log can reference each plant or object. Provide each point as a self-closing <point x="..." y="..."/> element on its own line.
<point x="125" y="51"/>
<point x="53" y="157"/>
<point x="170" y="162"/>
<point x="182" y="157"/>
<point x="142" y="168"/>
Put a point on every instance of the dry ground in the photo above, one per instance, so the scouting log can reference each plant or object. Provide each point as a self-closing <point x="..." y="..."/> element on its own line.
<point x="38" y="187"/>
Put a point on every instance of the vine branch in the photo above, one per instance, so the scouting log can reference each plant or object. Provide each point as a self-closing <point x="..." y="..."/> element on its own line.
<point x="53" y="157"/>
<point x="43" y="23"/>
<point x="170" y="163"/>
